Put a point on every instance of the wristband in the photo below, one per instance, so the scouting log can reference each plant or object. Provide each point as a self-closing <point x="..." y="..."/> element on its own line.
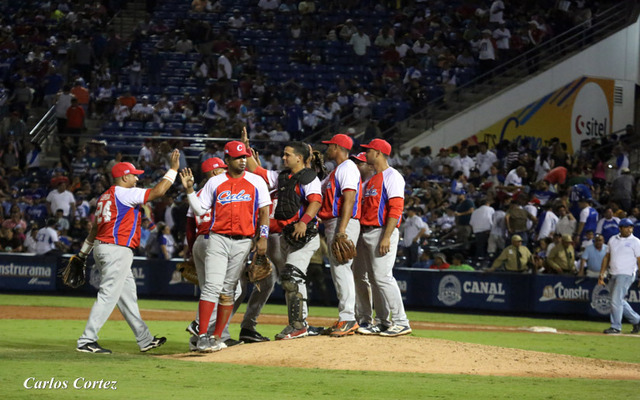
<point x="306" y="219"/>
<point x="171" y="175"/>
<point x="85" y="249"/>
<point x="264" y="231"/>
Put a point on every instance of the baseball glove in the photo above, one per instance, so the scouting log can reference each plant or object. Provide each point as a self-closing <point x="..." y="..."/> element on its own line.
<point x="343" y="248"/>
<point x="259" y="269"/>
<point x="188" y="271"/>
<point x="73" y="274"/>
<point x="298" y="243"/>
<point x="317" y="163"/>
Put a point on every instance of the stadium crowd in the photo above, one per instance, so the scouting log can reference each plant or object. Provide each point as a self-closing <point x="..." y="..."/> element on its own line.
<point x="66" y="55"/>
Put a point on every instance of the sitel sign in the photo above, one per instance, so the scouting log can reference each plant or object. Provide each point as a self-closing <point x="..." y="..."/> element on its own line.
<point x="591" y="116"/>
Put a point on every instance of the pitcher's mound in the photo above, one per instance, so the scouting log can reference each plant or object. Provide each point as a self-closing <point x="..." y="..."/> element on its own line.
<point x="413" y="354"/>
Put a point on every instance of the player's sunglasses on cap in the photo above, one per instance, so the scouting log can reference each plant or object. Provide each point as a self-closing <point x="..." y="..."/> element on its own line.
<point x="378" y="144"/>
<point x="362" y="156"/>
<point x="212" y="163"/>
<point x="236" y="149"/>
<point x="124" y="168"/>
<point x="341" y="140"/>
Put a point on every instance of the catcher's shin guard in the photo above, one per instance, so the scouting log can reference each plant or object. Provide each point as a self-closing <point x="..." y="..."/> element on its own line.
<point x="290" y="279"/>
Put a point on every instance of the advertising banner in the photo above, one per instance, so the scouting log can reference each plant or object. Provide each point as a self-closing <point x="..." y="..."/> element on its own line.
<point x="26" y="272"/>
<point x="582" y="109"/>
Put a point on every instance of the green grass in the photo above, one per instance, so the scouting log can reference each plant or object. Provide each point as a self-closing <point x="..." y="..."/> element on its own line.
<point x="44" y="349"/>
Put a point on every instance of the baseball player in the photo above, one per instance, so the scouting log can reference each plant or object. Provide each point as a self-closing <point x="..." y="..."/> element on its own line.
<point x="340" y="212"/>
<point x="115" y="233"/>
<point x="239" y="202"/>
<point x="366" y="288"/>
<point x="197" y="228"/>
<point x="381" y="214"/>
<point x="298" y="201"/>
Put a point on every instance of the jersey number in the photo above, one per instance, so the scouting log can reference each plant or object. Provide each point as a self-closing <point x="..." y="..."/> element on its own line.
<point x="103" y="212"/>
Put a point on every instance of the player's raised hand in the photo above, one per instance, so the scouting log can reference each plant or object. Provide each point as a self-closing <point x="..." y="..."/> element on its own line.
<point x="175" y="159"/>
<point x="186" y="176"/>
<point x="244" y="137"/>
<point x="256" y="156"/>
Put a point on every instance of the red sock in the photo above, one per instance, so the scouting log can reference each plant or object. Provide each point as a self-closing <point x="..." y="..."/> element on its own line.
<point x="224" y="312"/>
<point x="205" y="309"/>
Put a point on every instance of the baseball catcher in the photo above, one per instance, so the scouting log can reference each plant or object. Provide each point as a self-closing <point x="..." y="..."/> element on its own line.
<point x="343" y="248"/>
<point x="188" y="271"/>
<point x="259" y="269"/>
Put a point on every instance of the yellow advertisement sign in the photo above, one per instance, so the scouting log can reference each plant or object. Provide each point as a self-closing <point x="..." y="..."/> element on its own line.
<point x="580" y="110"/>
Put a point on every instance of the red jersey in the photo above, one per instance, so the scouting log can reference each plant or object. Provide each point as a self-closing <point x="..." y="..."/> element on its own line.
<point x="345" y="176"/>
<point x="233" y="203"/>
<point x="308" y="193"/>
<point x="383" y="198"/>
<point x="203" y="222"/>
<point x="118" y="215"/>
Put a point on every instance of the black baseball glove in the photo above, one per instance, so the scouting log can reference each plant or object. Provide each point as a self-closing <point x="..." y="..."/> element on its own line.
<point x="298" y="243"/>
<point x="73" y="274"/>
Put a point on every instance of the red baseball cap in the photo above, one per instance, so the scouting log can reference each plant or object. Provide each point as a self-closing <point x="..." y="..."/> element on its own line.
<point x="212" y="163"/>
<point x="362" y="156"/>
<point x="341" y="140"/>
<point x="124" y="168"/>
<point x="380" y="145"/>
<point x="236" y="149"/>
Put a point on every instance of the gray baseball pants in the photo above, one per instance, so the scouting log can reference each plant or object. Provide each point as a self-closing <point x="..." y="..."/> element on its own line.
<point x="117" y="287"/>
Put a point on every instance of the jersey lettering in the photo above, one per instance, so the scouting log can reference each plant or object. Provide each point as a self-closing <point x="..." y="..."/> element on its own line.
<point x="227" y="197"/>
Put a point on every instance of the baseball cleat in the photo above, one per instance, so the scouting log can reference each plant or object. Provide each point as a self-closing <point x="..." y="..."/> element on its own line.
<point x="193" y="343"/>
<point x="636" y="328"/>
<point x="204" y="344"/>
<point x="611" y="331"/>
<point x="249" y="336"/>
<point x="289" y="332"/>
<point x="193" y="328"/>
<point x="396" y="330"/>
<point x="155" y="343"/>
<point x="315" y="330"/>
<point x="93" y="348"/>
<point x="230" y="343"/>
<point x="344" y="328"/>
<point x="369" y="329"/>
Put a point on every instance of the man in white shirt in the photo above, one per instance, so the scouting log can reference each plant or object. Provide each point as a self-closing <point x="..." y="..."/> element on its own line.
<point x="502" y="36"/>
<point x="142" y="111"/>
<point x="496" y="12"/>
<point x="481" y="223"/>
<point x="498" y="232"/>
<point x="462" y="162"/>
<point x="267" y="5"/>
<point x="360" y="42"/>
<point x="549" y="223"/>
<point x="47" y="240"/>
<point x="485" y="158"/>
<point x="413" y="229"/>
<point x="224" y="65"/>
<point x="566" y="222"/>
<point x="421" y="47"/>
<point x="514" y="177"/>
<point x="236" y="21"/>
<point x="623" y="261"/>
<point x="61" y="199"/>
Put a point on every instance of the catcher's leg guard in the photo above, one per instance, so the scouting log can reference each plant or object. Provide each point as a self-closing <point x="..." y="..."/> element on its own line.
<point x="291" y="277"/>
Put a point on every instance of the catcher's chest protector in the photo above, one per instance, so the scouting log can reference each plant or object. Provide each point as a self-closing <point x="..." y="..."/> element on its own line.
<point x="288" y="200"/>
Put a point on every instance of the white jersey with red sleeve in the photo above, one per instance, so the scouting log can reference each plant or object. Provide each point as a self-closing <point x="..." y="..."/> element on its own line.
<point x="346" y="176"/>
<point x="203" y="222"/>
<point x="233" y="202"/>
<point x="118" y="215"/>
<point x="308" y="193"/>
<point x="383" y="198"/>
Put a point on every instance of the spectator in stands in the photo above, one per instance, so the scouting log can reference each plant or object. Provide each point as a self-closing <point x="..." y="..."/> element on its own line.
<point x="360" y="42"/>
<point x="269" y="5"/>
<point x="496" y="12"/>
<point x="142" y="111"/>
<point x="184" y="45"/>
<point x="439" y="262"/>
<point x="502" y="37"/>
<point x="592" y="258"/>
<point x="21" y="99"/>
<point x="588" y="220"/>
<point x="514" y="258"/>
<point x="75" y="120"/>
<point x="15" y="220"/>
<point x="47" y="240"/>
<point x="458" y="263"/>
<point x="61" y="199"/>
<point x="81" y="94"/>
<point x="623" y="188"/>
<point x="561" y="259"/>
<point x="306" y="7"/>
<point x="608" y="225"/>
<point x="487" y="53"/>
<point x="464" y="209"/>
<point x="348" y="30"/>
<point x="481" y="224"/>
<point x="104" y="99"/>
<point x="9" y="242"/>
<point x="120" y="112"/>
<point x="413" y="230"/>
